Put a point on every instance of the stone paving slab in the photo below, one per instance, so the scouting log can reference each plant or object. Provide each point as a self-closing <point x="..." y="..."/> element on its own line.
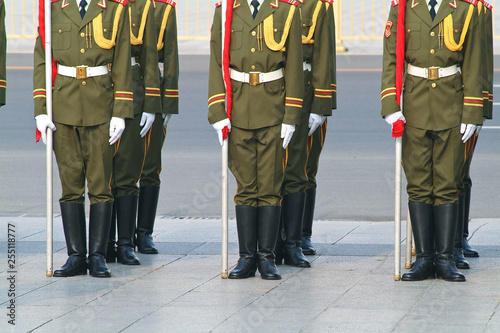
<point x="350" y="287"/>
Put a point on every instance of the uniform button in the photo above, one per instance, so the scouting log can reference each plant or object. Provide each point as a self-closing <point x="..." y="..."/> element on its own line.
<point x="409" y="30"/>
<point x="432" y="51"/>
<point x="60" y="31"/>
<point x="456" y="30"/>
<point x="82" y="51"/>
<point x="105" y="30"/>
<point x="304" y="25"/>
<point x="134" y="25"/>
<point x="432" y="34"/>
<point x="252" y="50"/>
<point x="254" y="33"/>
<point x="433" y="85"/>
<point x="275" y="30"/>
<point x="84" y="83"/>
<point x="82" y="34"/>
<point x="308" y="83"/>
<point x="253" y="67"/>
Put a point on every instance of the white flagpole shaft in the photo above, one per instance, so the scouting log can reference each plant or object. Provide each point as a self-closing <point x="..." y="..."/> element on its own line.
<point x="224" y="272"/>
<point x="397" y="212"/>
<point x="409" y="241"/>
<point x="48" y="85"/>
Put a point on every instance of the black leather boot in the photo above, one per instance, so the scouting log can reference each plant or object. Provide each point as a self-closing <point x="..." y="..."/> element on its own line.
<point x="279" y="248"/>
<point x="100" y="220"/>
<point x="148" y="202"/>
<point x="293" y="213"/>
<point x="468" y="250"/>
<point x="458" y="252"/>
<point x="73" y="218"/>
<point x="126" y="212"/>
<point x="246" y="221"/>
<point x="307" y="247"/>
<point x="423" y="231"/>
<point x="111" y="248"/>
<point x="268" y="225"/>
<point x="445" y="217"/>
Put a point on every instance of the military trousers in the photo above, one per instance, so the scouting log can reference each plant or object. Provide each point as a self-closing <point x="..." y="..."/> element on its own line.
<point x="256" y="161"/>
<point x="295" y="180"/>
<point x="83" y="154"/>
<point x="314" y="148"/>
<point x="470" y="146"/>
<point x="152" y="165"/>
<point x="433" y="163"/>
<point x="129" y="158"/>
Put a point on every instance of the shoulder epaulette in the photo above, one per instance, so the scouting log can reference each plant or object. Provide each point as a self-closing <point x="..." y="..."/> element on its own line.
<point x="472" y="2"/>
<point x="218" y="4"/>
<point x="291" y="2"/>
<point x="168" y="2"/>
<point x="395" y="3"/>
<point x="52" y="0"/>
<point x="488" y="5"/>
<point x="121" y="2"/>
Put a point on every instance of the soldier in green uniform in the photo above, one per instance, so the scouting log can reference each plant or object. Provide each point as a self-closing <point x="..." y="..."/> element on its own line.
<point x="317" y="105"/>
<point x="462" y="248"/>
<point x="130" y="151"/>
<point x="166" y="29"/>
<point x="267" y="90"/>
<point x="92" y="96"/>
<point x="3" y="55"/>
<point x="316" y="142"/>
<point x="442" y="105"/>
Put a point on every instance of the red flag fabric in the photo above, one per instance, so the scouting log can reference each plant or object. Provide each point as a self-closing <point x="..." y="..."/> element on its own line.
<point x="41" y="31"/>
<point x="400" y="49"/>
<point x="226" y="22"/>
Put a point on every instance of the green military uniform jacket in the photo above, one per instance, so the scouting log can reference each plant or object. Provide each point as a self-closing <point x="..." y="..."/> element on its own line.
<point x="485" y="17"/>
<point x="317" y="52"/>
<point x="3" y="55"/>
<point x="444" y="103"/>
<point x="102" y="37"/>
<point x="146" y="83"/>
<point x="270" y="103"/>
<point x="168" y="54"/>
<point x="333" y="51"/>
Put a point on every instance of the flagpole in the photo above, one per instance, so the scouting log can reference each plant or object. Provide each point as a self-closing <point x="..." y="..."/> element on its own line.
<point x="48" y="87"/>
<point x="224" y="273"/>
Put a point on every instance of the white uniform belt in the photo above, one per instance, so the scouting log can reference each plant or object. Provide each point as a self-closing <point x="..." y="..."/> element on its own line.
<point x="255" y="78"/>
<point x="432" y="73"/>
<point x="133" y="61"/>
<point x="306" y="66"/>
<point x="82" y="72"/>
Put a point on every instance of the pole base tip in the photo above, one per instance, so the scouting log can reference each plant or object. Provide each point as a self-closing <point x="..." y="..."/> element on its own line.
<point x="407" y="266"/>
<point x="223" y="275"/>
<point x="397" y="277"/>
<point x="413" y="252"/>
<point x="48" y="273"/>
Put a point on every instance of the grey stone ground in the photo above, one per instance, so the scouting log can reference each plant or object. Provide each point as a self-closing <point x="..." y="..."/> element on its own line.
<point x="350" y="287"/>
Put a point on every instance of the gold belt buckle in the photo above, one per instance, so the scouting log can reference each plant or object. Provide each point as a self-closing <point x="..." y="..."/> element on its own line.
<point x="433" y="73"/>
<point x="254" y="78"/>
<point x="81" y="72"/>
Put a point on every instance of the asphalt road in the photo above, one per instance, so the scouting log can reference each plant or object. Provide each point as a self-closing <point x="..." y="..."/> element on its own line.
<point x="356" y="176"/>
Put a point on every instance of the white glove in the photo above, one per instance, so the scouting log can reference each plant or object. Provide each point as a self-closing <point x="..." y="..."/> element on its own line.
<point x="42" y="123"/>
<point x="478" y="129"/>
<point x="467" y="130"/>
<point x="219" y="126"/>
<point x="147" y="121"/>
<point x="286" y="133"/>
<point x="315" y="120"/>
<point x="116" y="128"/>
<point x="391" y="118"/>
<point x="166" y="118"/>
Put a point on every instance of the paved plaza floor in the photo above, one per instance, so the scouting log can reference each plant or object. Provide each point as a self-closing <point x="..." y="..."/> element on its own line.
<point x="350" y="287"/>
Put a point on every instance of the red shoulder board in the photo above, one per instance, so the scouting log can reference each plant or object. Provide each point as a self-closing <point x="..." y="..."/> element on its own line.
<point x="472" y="2"/>
<point x="487" y="5"/>
<point x="218" y="4"/>
<point x="291" y="2"/>
<point x="121" y="2"/>
<point x="168" y="2"/>
<point x="52" y="0"/>
<point x="395" y="3"/>
<point x="330" y="2"/>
